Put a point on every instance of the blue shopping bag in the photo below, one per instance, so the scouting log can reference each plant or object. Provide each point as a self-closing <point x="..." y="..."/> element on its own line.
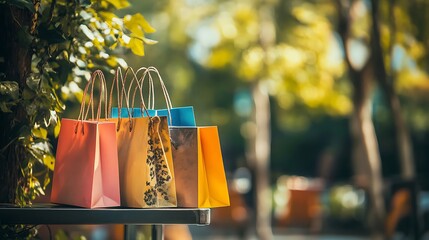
<point x="135" y="112"/>
<point x="180" y="116"/>
<point x="176" y="116"/>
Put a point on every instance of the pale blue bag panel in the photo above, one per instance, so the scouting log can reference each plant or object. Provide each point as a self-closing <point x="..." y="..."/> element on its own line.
<point x="115" y="113"/>
<point x="136" y="112"/>
<point x="180" y="116"/>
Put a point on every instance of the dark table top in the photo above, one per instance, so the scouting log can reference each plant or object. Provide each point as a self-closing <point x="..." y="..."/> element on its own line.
<point x="61" y="214"/>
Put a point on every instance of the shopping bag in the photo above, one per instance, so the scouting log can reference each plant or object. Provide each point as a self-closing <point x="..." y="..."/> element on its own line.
<point x="176" y="116"/>
<point x="86" y="167"/>
<point x="124" y="95"/>
<point x="133" y="112"/>
<point x="180" y="116"/>
<point x="160" y="186"/>
<point x="144" y="155"/>
<point x="199" y="170"/>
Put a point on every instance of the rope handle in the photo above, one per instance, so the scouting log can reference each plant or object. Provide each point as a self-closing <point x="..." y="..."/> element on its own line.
<point x="164" y="88"/>
<point x="138" y="86"/>
<point x="103" y="95"/>
<point x="151" y="98"/>
<point x="124" y="95"/>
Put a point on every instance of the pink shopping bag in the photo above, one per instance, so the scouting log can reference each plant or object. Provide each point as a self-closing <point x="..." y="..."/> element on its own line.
<point x="86" y="170"/>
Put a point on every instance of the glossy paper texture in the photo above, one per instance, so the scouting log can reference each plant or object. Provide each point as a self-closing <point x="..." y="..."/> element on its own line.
<point x="140" y="187"/>
<point x="86" y="169"/>
<point x="199" y="169"/>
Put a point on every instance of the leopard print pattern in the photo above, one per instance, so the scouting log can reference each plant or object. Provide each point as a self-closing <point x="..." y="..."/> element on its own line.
<point x="159" y="173"/>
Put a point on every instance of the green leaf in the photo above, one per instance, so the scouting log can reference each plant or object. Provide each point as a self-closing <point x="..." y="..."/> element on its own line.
<point x="136" y="46"/>
<point x="10" y="89"/>
<point x="40" y="150"/>
<point x="149" y="41"/>
<point x="6" y="106"/>
<point x="118" y="4"/>
<point x="50" y="34"/>
<point x="137" y="24"/>
<point x="40" y="133"/>
<point x="50" y="118"/>
<point x="59" y="105"/>
<point x="33" y="81"/>
<point x="110" y="40"/>
<point x="113" y="46"/>
<point x="24" y="132"/>
<point x="28" y="4"/>
<point x="47" y="179"/>
<point x="49" y="161"/>
<point x="28" y="94"/>
<point x="57" y="129"/>
<point x="31" y="109"/>
<point x="87" y="32"/>
<point x="85" y="15"/>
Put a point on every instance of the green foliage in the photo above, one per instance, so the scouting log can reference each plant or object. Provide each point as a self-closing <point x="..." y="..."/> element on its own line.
<point x="302" y="69"/>
<point x="210" y="52"/>
<point x="68" y="39"/>
<point x="9" y="92"/>
<point x="17" y="231"/>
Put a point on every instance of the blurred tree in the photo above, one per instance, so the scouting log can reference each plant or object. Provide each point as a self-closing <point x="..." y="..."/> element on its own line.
<point x="305" y="70"/>
<point x="366" y="156"/>
<point x="290" y="67"/>
<point x="47" y="48"/>
<point x="373" y="26"/>
<point x="241" y="42"/>
<point x="386" y="80"/>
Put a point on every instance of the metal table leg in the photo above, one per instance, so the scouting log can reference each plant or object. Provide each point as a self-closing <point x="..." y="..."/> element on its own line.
<point x="130" y="232"/>
<point x="158" y="232"/>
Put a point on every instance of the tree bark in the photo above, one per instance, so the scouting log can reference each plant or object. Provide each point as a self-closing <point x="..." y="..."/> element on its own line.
<point x="262" y="148"/>
<point x="365" y="151"/>
<point x="16" y="67"/>
<point x="403" y="140"/>
<point x="259" y="144"/>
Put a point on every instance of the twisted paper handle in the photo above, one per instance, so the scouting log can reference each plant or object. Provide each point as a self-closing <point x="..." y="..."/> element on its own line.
<point x="103" y="95"/>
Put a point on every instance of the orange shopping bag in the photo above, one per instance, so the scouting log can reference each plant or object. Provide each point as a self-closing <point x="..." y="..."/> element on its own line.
<point x="198" y="167"/>
<point x="86" y="169"/>
<point x="144" y="150"/>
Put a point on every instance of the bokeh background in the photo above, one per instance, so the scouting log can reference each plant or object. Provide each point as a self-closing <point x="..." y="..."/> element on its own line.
<point x="321" y="108"/>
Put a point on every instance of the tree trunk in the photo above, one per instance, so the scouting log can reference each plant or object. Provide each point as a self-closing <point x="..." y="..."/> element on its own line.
<point x="403" y="139"/>
<point x="259" y="143"/>
<point x="16" y="66"/>
<point x="365" y="152"/>
<point x="262" y="148"/>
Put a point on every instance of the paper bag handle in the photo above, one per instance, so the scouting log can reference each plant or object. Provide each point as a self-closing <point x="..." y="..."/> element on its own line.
<point x="122" y="78"/>
<point x="103" y="95"/>
<point x="151" y="98"/>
